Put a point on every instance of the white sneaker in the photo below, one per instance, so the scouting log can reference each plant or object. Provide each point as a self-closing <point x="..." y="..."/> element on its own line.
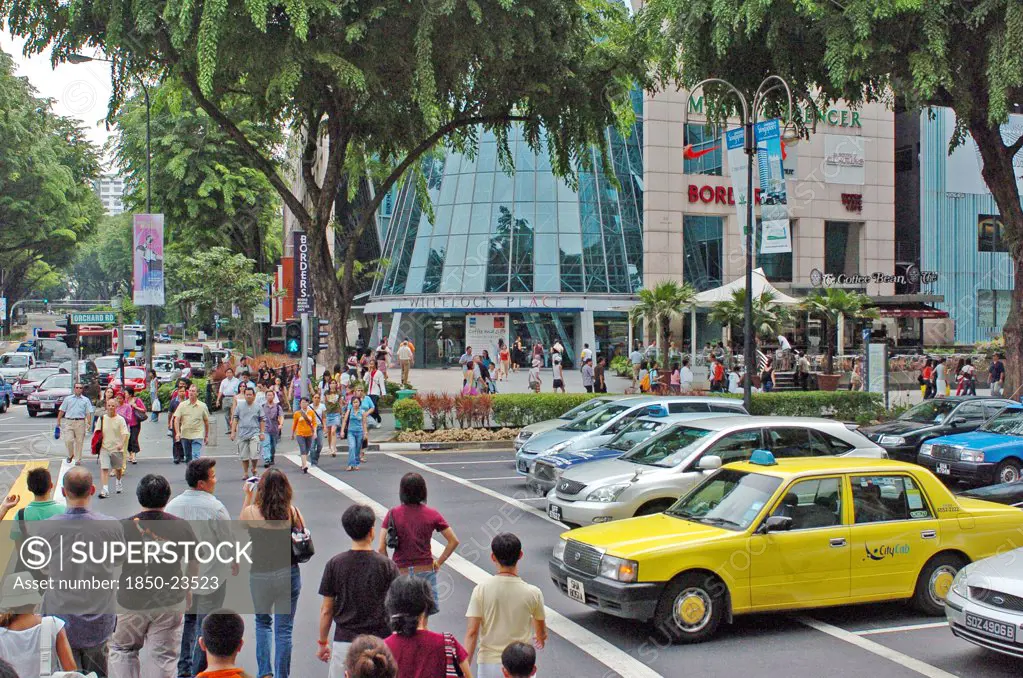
<point x="118" y="486"/>
<point x="103" y="493"/>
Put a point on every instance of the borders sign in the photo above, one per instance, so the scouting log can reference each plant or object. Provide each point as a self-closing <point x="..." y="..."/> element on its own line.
<point x="303" y="283"/>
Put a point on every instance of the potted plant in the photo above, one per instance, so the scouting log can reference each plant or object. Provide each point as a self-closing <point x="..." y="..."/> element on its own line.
<point x="828" y="306"/>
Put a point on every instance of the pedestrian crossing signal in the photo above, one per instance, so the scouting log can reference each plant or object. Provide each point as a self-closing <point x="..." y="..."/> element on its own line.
<point x="293" y="338"/>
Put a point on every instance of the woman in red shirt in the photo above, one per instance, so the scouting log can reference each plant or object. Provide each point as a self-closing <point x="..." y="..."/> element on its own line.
<point x="420" y="653"/>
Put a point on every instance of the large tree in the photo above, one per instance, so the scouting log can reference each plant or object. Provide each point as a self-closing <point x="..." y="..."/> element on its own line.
<point x="963" y="54"/>
<point x="47" y="205"/>
<point x="365" y="83"/>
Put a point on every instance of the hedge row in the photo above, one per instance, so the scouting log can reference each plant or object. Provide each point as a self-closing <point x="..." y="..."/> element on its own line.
<point x="165" y="394"/>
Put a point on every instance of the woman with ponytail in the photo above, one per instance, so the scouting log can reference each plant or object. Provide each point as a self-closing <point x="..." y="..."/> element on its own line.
<point x="420" y="653"/>
<point x="368" y="657"/>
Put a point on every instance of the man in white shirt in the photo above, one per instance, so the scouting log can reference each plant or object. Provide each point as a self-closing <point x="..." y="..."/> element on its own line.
<point x="585" y="354"/>
<point x="377" y="388"/>
<point x="636" y="358"/>
<point x="503" y="610"/>
<point x="405" y="356"/>
<point x="783" y="343"/>
<point x="685" y="376"/>
<point x="229" y="386"/>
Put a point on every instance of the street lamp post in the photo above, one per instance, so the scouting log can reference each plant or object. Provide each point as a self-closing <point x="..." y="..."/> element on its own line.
<point x="81" y="59"/>
<point x="748" y="121"/>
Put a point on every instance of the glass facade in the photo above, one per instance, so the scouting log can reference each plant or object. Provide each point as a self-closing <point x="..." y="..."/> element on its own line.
<point x="841" y="247"/>
<point x="491" y="232"/>
<point x="705" y="156"/>
<point x="702" y="238"/>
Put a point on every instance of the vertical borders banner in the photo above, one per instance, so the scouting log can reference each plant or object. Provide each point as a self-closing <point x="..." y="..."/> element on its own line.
<point x="738" y="161"/>
<point x="303" y="284"/>
<point x="774" y="209"/>
<point x="147" y="278"/>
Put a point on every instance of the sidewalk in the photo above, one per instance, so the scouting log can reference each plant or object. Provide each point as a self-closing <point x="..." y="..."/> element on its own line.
<point x="450" y="381"/>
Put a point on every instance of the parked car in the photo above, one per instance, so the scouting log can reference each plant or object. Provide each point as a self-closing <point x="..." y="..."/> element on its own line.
<point x="6" y="396"/>
<point x="26" y="347"/>
<point x="579" y="410"/>
<point x="167" y="372"/>
<point x="14" y="364"/>
<point x="652" y="475"/>
<point x="1009" y="494"/>
<point x="134" y="377"/>
<point x="162" y="337"/>
<point x="931" y="419"/>
<point x="107" y="365"/>
<point x="30" y="381"/>
<point x="546" y="471"/>
<point x="88" y="375"/>
<point x="602" y="424"/>
<point x="991" y="454"/>
<point x="811" y="533"/>
<point x="50" y="394"/>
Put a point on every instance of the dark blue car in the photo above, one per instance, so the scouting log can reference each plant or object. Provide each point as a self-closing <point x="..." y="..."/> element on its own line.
<point x="991" y="454"/>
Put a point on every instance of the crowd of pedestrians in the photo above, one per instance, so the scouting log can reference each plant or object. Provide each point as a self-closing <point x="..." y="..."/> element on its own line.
<point x="374" y="618"/>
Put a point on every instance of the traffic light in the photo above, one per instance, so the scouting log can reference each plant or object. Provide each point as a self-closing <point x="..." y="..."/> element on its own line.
<point x="71" y="334"/>
<point x="293" y="338"/>
<point x="319" y="327"/>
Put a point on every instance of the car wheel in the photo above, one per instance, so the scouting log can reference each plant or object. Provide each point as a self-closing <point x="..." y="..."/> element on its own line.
<point x="1008" y="471"/>
<point x="32" y="413"/>
<point x="654" y="507"/>
<point x="934" y="582"/>
<point x="690" y="609"/>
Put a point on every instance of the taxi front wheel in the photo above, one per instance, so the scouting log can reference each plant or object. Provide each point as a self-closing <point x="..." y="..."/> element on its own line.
<point x="691" y="608"/>
<point x="934" y="582"/>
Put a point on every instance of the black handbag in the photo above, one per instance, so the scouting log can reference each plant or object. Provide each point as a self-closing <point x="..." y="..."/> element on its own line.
<point x="392" y="532"/>
<point x="302" y="548"/>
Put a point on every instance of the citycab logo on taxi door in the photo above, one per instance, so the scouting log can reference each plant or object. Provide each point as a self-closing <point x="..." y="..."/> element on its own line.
<point x="105" y="566"/>
<point x="885" y="551"/>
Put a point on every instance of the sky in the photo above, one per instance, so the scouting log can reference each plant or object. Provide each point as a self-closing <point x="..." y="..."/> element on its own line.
<point x="78" y="90"/>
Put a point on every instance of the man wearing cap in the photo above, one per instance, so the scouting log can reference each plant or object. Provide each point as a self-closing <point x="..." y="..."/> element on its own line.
<point x="559" y="373"/>
<point x="587" y="372"/>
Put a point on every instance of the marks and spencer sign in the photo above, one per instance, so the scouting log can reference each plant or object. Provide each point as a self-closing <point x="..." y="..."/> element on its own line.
<point x="717" y="195"/>
<point x="835" y="117"/>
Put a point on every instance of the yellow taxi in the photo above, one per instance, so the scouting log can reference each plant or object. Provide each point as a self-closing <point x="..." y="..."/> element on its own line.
<point x="767" y="535"/>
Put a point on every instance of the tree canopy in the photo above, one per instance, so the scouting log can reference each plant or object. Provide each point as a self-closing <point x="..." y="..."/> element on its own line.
<point x="365" y="83"/>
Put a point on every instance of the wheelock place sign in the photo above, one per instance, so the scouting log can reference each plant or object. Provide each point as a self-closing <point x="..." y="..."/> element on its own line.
<point x="913" y="276"/>
<point x="482" y="302"/>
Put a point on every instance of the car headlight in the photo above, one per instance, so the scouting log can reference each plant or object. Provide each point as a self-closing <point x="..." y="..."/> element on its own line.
<point x="959" y="583"/>
<point x="925" y="449"/>
<point x="892" y="440"/>
<point x="524" y="435"/>
<point x="559" y="550"/>
<point x="619" y="569"/>
<point x="556" y="448"/>
<point x="971" y="455"/>
<point x="608" y="493"/>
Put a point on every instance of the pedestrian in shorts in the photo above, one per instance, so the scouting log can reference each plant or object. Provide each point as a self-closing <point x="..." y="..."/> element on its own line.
<point x="248" y="430"/>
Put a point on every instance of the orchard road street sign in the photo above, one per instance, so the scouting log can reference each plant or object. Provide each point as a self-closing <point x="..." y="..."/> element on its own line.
<point x="98" y="318"/>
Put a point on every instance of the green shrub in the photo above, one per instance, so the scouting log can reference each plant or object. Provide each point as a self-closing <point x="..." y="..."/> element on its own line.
<point x="841" y="405"/>
<point x="621" y="366"/>
<point x="409" y="414"/>
<point x="165" y="394"/>
<point x="523" y="409"/>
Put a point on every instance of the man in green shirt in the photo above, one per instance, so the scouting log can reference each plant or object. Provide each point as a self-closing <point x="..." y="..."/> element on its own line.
<point x="42" y="506"/>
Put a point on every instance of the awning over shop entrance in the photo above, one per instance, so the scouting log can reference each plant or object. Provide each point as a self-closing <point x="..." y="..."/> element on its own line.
<point x="912" y="311"/>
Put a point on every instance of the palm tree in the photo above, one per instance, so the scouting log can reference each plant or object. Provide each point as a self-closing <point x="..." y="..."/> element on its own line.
<point x="768" y="315"/>
<point x="830" y="305"/>
<point x="666" y="302"/>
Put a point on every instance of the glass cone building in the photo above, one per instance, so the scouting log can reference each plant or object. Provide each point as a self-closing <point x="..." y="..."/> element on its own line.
<point x="514" y="256"/>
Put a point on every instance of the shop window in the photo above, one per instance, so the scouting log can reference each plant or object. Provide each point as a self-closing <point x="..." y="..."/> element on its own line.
<point x="703" y="247"/>
<point x="777" y="266"/>
<point x="705" y="156"/>
<point x="841" y="248"/>
<point x="991" y="234"/>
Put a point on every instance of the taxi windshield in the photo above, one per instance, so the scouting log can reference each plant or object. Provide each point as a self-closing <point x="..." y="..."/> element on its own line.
<point x="728" y="499"/>
<point x="583" y="408"/>
<point x="931" y="412"/>
<point x="14" y="360"/>
<point x="595" y="419"/>
<point x="669" y="449"/>
<point x="1008" y="422"/>
<point x="636" y="432"/>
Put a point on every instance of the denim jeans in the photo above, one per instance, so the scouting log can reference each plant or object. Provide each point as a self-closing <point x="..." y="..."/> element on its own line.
<point x="270" y="448"/>
<point x="275" y="590"/>
<point x="431" y="579"/>
<point x="354" y="446"/>
<point x="317" y="447"/>
<point x="304" y="444"/>
<point x="192" y="448"/>
<point x="192" y="659"/>
<point x="154" y="417"/>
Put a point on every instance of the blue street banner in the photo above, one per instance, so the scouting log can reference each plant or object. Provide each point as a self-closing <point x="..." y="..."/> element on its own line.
<point x="738" y="161"/>
<point x="776" y="235"/>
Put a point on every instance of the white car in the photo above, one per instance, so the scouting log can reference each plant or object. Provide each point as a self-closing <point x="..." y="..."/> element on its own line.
<point x="579" y="410"/>
<point x="13" y="365"/>
<point x="985" y="604"/>
<point x="166" y="371"/>
<point x="655" y="473"/>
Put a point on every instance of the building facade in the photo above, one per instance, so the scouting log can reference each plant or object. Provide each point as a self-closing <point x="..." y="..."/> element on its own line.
<point x="514" y="256"/>
<point x="110" y="189"/>
<point x="841" y="197"/>
<point x="948" y="221"/>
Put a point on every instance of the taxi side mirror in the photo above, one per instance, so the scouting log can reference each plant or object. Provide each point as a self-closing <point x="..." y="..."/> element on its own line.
<point x="778" y="524"/>
<point x="709" y="463"/>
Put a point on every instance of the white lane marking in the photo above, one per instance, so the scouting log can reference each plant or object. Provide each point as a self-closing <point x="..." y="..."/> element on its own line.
<point x="533" y="499"/>
<point x="898" y="629"/>
<point x="620" y="662"/>
<point x="479" y="488"/>
<point x="911" y="663"/>
<point x="34" y="435"/>
<point x="498" y="478"/>
<point x="510" y="462"/>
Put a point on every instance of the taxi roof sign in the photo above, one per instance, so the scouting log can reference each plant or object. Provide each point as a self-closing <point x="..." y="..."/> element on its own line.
<point x="762" y="458"/>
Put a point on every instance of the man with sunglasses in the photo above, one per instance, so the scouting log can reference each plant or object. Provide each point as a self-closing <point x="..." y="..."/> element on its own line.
<point x="77" y="409"/>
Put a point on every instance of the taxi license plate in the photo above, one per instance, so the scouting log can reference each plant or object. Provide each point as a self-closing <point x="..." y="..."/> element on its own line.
<point x="942" y="469"/>
<point x="988" y="627"/>
<point x="576" y="590"/>
<point x="554" y="511"/>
